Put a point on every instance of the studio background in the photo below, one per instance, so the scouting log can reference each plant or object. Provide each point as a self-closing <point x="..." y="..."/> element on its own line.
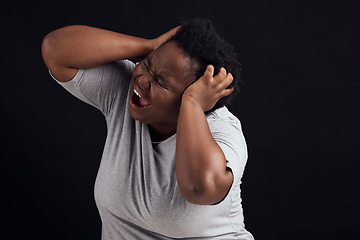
<point x="298" y="109"/>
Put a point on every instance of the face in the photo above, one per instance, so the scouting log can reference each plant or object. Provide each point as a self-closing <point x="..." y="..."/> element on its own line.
<point x="157" y="85"/>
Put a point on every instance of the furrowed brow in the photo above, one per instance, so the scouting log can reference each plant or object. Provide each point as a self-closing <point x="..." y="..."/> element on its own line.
<point x="148" y="59"/>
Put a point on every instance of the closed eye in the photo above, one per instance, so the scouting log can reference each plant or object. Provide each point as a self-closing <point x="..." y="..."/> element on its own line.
<point x="153" y="75"/>
<point x="146" y="66"/>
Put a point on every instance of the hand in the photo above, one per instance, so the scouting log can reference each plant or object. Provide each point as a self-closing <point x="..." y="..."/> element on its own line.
<point x="208" y="89"/>
<point x="157" y="42"/>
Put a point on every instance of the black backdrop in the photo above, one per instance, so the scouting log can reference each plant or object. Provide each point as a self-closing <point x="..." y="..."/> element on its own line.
<point x="298" y="110"/>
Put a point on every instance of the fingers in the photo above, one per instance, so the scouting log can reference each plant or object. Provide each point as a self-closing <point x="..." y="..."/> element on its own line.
<point x="227" y="81"/>
<point x="157" y="42"/>
<point x="175" y="29"/>
<point x="171" y="33"/>
<point x="209" y="72"/>
<point x="224" y="79"/>
<point x="227" y="92"/>
<point x="220" y="81"/>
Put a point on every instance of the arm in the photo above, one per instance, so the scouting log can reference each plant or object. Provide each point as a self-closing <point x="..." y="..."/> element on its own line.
<point x="67" y="49"/>
<point x="200" y="163"/>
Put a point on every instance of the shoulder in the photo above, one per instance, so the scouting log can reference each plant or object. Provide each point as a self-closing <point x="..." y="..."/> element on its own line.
<point x="222" y="119"/>
<point x="126" y="65"/>
<point x="227" y="132"/>
<point x="122" y="68"/>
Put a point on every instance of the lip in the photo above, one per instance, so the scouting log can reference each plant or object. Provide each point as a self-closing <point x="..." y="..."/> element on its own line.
<point x="134" y="105"/>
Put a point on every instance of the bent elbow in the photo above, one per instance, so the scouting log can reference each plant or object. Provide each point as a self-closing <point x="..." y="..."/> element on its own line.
<point x="208" y="190"/>
<point x="48" y="46"/>
<point x="193" y="195"/>
<point x="53" y="41"/>
<point x="200" y="192"/>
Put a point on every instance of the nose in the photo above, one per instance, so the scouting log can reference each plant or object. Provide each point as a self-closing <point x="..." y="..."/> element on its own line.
<point x="144" y="81"/>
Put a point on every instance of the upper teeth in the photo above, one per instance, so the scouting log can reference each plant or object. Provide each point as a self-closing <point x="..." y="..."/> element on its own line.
<point x="137" y="93"/>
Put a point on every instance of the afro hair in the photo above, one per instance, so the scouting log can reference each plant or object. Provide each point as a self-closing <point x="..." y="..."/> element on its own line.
<point x="199" y="39"/>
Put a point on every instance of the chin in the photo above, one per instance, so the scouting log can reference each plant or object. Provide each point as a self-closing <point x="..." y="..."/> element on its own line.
<point x="138" y="117"/>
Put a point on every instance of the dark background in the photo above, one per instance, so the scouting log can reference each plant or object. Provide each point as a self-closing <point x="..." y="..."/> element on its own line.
<point x="298" y="109"/>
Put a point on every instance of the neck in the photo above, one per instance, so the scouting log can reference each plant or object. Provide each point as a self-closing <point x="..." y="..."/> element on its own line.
<point x="161" y="133"/>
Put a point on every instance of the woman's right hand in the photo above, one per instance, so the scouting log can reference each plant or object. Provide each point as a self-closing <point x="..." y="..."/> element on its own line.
<point x="157" y="42"/>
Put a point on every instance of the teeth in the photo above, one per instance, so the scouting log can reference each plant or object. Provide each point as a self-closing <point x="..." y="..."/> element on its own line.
<point x="137" y="93"/>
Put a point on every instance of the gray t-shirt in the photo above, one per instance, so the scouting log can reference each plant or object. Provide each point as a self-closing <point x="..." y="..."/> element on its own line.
<point x="136" y="189"/>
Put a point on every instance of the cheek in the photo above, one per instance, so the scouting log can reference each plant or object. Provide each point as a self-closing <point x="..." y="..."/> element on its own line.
<point x="168" y="103"/>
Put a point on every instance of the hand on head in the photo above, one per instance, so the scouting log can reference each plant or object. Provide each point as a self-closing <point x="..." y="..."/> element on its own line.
<point x="157" y="42"/>
<point x="208" y="89"/>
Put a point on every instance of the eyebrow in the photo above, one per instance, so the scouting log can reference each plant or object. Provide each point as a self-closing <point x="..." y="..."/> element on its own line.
<point x="157" y="75"/>
<point x="148" y="60"/>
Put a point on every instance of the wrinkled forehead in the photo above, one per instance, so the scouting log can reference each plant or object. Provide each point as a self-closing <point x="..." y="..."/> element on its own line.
<point x="172" y="61"/>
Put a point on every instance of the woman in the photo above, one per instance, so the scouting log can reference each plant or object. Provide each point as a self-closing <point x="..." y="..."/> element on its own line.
<point x="174" y="155"/>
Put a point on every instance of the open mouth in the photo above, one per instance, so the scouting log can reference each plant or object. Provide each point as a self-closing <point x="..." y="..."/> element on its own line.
<point x="139" y="101"/>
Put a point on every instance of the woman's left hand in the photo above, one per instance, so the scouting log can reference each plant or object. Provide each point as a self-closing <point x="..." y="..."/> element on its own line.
<point x="208" y="89"/>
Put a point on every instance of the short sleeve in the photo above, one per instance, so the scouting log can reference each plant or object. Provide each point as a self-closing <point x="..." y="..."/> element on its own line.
<point x="226" y="131"/>
<point x="102" y="86"/>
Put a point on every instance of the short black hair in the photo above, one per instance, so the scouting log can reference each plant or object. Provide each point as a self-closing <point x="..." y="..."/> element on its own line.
<point x="199" y="39"/>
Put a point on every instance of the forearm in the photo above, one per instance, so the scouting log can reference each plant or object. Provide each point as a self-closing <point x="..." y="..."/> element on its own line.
<point x="86" y="47"/>
<point x="200" y="163"/>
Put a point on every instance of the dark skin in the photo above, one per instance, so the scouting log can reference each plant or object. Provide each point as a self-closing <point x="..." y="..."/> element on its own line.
<point x="170" y="103"/>
<point x="160" y="79"/>
<point x="200" y="163"/>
